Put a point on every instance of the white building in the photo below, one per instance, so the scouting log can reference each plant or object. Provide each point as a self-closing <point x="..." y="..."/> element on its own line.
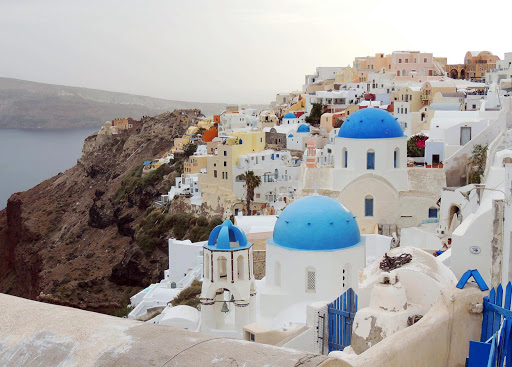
<point x="279" y="173"/>
<point x="234" y="122"/>
<point x="321" y="74"/>
<point x="185" y="185"/>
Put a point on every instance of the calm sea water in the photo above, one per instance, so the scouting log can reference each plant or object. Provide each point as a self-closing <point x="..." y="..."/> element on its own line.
<point x="28" y="157"/>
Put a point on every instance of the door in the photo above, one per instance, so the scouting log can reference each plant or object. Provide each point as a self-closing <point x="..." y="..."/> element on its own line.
<point x="435" y="159"/>
<point x="465" y="135"/>
<point x="341" y="317"/>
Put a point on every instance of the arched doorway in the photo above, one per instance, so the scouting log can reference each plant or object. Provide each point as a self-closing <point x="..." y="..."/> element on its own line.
<point x="463" y="74"/>
<point x="454" y="213"/>
<point x="454" y="74"/>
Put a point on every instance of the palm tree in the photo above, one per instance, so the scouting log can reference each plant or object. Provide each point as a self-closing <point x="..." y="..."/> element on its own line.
<point x="251" y="182"/>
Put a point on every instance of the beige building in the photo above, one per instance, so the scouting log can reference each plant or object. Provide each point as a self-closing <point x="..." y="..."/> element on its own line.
<point x="195" y="164"/>
<point x="430" y="88"/>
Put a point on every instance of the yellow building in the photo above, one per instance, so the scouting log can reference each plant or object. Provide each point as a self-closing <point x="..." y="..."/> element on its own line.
<point x="300" y="105"/>
<point x="218" y="180"/>
<point x="179" y="143"/>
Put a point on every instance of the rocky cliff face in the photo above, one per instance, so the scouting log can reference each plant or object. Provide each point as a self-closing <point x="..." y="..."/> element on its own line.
<point x="72" y="239"/>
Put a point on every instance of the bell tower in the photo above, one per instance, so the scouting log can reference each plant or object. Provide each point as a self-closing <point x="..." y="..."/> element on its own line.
<point x="227" y="302"/>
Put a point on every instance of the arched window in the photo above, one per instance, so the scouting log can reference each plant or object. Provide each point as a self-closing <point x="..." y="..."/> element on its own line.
<point x="404" y="73"/>
<point x="432" y="212"/>
<point x="222" y="270"/>
<point x="396" y="158"/>
<point x="310" y="279"/>
<point x="277" y="274"/>
<point x="206" y="266"/>
<point x="368" y="206"/>
<point x="240" y="267"/>
<point x="345" y="158"/>
<point x="370" y="159"/>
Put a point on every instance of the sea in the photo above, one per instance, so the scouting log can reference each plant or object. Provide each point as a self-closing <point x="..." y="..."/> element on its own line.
<point x="30" y="156"/>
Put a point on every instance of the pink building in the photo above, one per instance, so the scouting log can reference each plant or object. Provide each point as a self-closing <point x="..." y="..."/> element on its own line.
<point x="409" y="64"/>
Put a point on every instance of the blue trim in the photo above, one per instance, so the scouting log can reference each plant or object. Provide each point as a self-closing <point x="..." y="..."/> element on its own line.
<point x="476" y="276"/>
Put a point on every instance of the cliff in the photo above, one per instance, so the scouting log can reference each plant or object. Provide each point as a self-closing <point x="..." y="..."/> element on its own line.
<point x="89" y="237"/>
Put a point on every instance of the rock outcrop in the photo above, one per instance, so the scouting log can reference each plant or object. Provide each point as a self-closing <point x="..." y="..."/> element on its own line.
<point x="72" y="238"/>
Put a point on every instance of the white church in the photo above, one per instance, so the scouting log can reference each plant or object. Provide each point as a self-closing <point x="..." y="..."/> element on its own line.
<point x="369" y="174"/>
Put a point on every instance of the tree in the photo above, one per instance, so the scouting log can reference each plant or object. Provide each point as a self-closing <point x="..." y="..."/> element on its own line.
<point x="251" y="182"/>
<point x="315" y="114"/>
<point x="189" y="149"/>
<point x="477" y="163"/>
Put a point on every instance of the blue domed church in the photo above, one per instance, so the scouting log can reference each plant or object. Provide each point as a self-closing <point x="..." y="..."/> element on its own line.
<point x="315" y="254"/>
<point x="369" y="174"/>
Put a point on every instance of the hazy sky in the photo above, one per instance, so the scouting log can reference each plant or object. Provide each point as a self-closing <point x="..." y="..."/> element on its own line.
<point x="229" y="51"/>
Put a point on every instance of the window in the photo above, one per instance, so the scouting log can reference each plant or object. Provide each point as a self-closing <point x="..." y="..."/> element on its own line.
<point x="215" y="173"/>
<point x="226" y="175"/>
<point x="225" y="164"/>
<point x="396" y="158"/>
<point x="225" y="153"/>
<point x="345" y="158"/>
<point x="432" y="212"/>
<point x="424" y="60"/>
<point x="406" y="110"/>
<point x="368" y="206"/>
<point x="370" y="159"/>
<point x="399" y="61"/>
<point x="222" y="175"/>
<point x="261" y="140"/>
<point x="398" y="73"/>
<point x="310" y="280"/>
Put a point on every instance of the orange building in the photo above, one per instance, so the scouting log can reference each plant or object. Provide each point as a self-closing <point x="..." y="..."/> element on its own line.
<point x="476" y="63"/>
<point x="122" y="124"/>
<point x="216" y="119"/>
<point x="212" y="133"/>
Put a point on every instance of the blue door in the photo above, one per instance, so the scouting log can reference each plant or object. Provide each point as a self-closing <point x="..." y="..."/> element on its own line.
<point x="341" y="317"/>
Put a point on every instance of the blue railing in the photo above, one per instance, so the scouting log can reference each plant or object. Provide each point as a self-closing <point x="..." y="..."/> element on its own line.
<point x="495" y="346"/>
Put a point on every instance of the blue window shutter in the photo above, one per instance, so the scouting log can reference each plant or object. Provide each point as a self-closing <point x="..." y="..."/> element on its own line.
<point x="368" y="207"/>
<point x="394" y="157"/>
<point x="346" y="159"/>
<point x="370" y="160"/>
<point x="432" y="213"/>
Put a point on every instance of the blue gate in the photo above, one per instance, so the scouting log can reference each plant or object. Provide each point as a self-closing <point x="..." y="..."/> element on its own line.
<point x="341" y="316"/>
<point x="495" y="346"/>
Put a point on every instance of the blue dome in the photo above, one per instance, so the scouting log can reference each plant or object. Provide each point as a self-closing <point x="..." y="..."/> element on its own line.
<point x="227" y="237"/>
<point x="316" y="223"/>
<point x="371" y="123"/>
<point x="289" y="115"/>
<point x="303" y="129"/>
<point x="290" y="136"/>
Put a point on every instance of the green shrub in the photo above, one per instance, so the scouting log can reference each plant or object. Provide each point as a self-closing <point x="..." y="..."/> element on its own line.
<point x="189" y="295"/>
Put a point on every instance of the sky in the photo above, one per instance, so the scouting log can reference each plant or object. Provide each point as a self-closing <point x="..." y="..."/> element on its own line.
<point x="229" y="51"/>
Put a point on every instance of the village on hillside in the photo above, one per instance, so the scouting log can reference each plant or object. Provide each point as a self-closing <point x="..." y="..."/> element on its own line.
<point x="354" y="213"/>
